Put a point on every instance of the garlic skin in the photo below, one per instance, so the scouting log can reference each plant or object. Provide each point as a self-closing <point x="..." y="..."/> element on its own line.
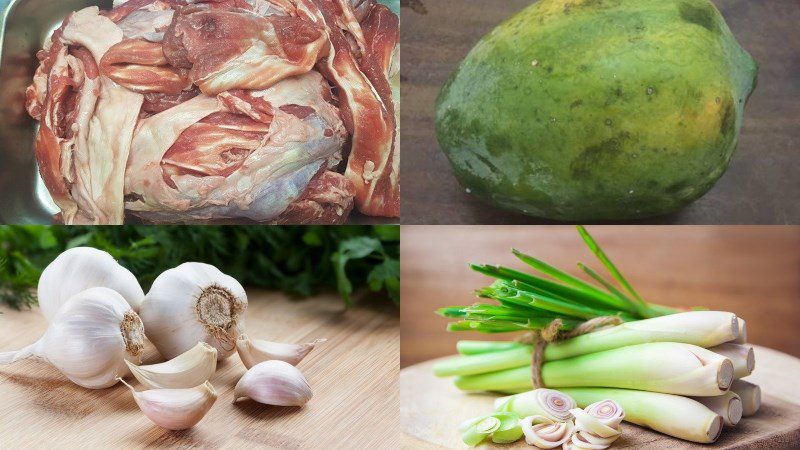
<point x="187" y="370"/>
<point x="274" y="383"/>
<point x="175" y="409"/>
<point x="254" y="351"/>
<point x="89" y="339"/>
<point x="193" y="303"/>
<point x="81" y="268"/>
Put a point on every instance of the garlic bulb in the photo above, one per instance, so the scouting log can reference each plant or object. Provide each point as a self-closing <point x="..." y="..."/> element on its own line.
<point x="193" y="303"/>
<point x="274" y="383"/>
<point x="81" y="268"/>
<point x="543" y="432"/>
<point x="175" y="409"/>
<point x="254" y="351"/>
<point x="189" y="369"/>
<point x="89" y="339"/>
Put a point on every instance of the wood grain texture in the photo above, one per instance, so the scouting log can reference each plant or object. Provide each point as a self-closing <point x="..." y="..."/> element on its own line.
<point x="753" y="271"/>
<point x="431" y="409"/>
<point x="353" y="376"/>
<point x="760" y="186"/>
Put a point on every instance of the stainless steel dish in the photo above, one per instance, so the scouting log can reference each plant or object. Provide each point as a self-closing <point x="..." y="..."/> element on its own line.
<point x="24" y="27"/>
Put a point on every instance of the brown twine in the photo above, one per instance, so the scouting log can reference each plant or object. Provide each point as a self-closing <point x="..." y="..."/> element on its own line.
<point x="540" y="339"/>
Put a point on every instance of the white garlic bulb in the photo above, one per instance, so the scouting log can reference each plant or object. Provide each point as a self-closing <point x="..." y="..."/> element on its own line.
<point x="274" y="383"/>
<point x="193" y="303"/>
<point x="254" y="351"/>
<point x="175" y="409"/>
<point x="89" y="339"/>
<point x="81" y="268"/>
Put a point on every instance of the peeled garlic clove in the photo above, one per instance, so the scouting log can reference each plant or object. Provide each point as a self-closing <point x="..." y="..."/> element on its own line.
<point x="254" y="351"/>
<point x="189" y="369"/>
<point x="175" y="409"/>
<point x="193" y="303"/>
<point x="89" y="339"/>
<point x="274" y="383"/>
<point x="81" y="268"/>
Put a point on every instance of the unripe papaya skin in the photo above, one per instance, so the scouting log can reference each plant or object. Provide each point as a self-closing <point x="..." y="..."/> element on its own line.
<point x="597" y="110"/>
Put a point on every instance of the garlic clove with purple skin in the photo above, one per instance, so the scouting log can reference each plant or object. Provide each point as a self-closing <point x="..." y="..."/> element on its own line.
<point x="274" y="383"/>
<point x="175" y="409"/>
<point x="254" y="351"/>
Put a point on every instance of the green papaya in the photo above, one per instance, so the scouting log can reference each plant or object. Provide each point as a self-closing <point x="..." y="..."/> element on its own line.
<point x="597" y="110"/>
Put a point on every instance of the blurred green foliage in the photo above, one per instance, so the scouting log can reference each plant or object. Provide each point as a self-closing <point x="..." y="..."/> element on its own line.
<point x="298" y="260"/>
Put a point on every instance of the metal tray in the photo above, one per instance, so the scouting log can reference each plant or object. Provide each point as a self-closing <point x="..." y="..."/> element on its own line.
<point x="24" y="27"/>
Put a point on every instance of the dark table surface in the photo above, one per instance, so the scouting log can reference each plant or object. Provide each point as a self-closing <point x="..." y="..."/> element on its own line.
<point x="761" y="185"/>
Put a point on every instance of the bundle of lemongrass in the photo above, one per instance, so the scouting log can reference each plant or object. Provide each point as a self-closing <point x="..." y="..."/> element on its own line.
<point x="674" y="372"/>
<point x="98" y="318"/>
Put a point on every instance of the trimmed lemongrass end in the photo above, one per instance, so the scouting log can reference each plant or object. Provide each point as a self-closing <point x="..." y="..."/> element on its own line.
<point x="503" y="427"/>
<point x="549" y="403"/>
<point x="742" y="357"/>
<point x="474" y="431"/>
<point x="742" y="337"/>
<point x="727" y="405"/>
<point x="700" y="328"/>
<point x="674" y="415"/>
<point x="667" y="367"/>
<point x="750" y="394"/>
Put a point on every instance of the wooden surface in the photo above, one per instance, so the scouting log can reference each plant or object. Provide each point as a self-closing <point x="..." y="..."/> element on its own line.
<point x="752" y="271"/>
<point x="353" y="376"/>
<point x="431" y="409"/>
<point x="760" y="187"/>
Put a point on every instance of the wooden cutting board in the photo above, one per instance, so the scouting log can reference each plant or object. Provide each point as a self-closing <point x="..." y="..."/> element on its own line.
<point x="431" y="409"/>
<point x="353" y="376"/>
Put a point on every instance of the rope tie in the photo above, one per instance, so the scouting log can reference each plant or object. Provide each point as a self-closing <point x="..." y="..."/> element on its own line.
<point x="539" y="340"/>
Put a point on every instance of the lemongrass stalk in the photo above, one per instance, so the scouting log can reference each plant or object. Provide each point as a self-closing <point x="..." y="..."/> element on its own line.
<point x="701" y="328"/>
<point x="674" y="415"/>
<point x="549" y="403"/>
<point x="741" y="356"/>
<point x="667" y="367"/>
<point x="750" y="394"/>
<point x="742" y="338"/>
<point x="727" y="405"/>
<point x="480" y="347"/>
<point x="485" y="362"/>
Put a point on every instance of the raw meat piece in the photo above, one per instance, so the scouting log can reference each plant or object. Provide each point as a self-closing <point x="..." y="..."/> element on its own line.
<point x="373" y="164"/>
<point x="233" y="155"/>
<point x="327" y="199"/>
<point x="218" y="110"/>
<point x="239" y="49"/>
